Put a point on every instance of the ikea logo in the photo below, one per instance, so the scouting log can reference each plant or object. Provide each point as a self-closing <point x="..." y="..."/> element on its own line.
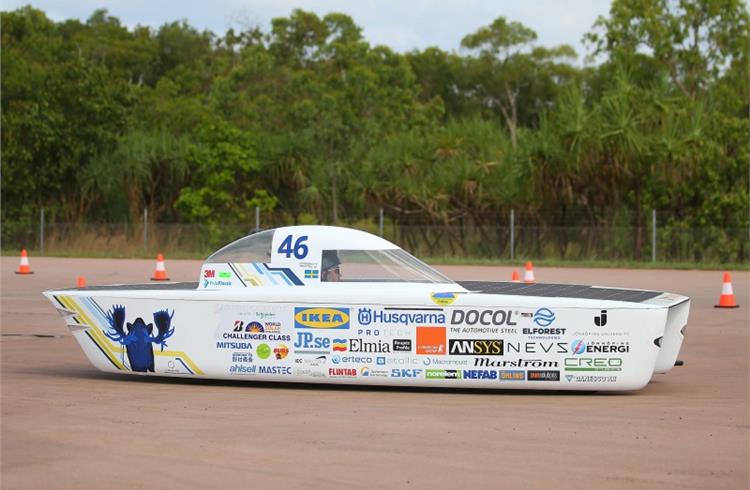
<point x="330" y="318"/>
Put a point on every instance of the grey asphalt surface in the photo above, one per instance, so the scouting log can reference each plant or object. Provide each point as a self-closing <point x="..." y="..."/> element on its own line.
<point x="67" y="425"/>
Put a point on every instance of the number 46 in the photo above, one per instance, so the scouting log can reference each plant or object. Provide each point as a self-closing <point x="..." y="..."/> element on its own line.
<point x="300" y="249"/>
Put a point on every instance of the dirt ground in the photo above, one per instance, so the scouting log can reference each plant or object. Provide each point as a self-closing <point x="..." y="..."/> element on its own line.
<point x="67" y="425"/>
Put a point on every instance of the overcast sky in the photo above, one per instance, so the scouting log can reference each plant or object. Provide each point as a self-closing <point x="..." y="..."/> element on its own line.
<point x="401" y="24"/>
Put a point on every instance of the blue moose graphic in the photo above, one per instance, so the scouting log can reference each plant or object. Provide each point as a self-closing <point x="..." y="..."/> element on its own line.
<point x="139" y="336"/>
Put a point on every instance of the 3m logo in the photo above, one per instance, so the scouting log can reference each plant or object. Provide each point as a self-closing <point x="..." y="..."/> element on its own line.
<point x="209" y="273"/>
<point x="431" y="340"/>
<point x="329" y="318"/>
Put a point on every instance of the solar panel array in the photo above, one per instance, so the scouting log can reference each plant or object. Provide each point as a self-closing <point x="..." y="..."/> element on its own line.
<point x="559" y="291"/>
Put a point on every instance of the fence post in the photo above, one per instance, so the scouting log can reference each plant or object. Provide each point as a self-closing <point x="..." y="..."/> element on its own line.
<point x="145" y="230"/>
<point x="512" y="234"/>
<point x="653" y="235"/>
<point x="41" y="232"/>
<point x="381" y="222"/>
<point x="257" y="219"/>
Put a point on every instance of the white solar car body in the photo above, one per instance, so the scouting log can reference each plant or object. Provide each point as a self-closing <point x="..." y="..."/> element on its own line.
<point x="319" y="304"/>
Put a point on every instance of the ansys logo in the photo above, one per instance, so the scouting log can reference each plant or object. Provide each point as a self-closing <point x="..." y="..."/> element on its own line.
<point x="329" y="318"/>
<point x="544" y="317"/>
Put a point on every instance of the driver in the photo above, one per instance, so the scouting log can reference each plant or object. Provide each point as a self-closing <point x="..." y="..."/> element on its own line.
<point x="331" y="270"/>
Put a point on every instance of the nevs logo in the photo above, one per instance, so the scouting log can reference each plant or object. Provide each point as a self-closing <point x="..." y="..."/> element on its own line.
<point x="601" y="320"/>
<point x="329" y="318"/>
<point x="485" y="317"/>
<point x="466" y="347"/>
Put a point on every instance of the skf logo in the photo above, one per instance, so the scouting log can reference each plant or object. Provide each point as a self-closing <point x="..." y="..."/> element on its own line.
<point x="485" y="347"/>
<point x="209" y="273"/>
<point x="405" y="373"/>
<point x="329" y="318"/>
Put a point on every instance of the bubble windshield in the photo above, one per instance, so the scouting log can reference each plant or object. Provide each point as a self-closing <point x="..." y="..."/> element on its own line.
<point x="252" y="248"/>
<point x="394" y="265"/>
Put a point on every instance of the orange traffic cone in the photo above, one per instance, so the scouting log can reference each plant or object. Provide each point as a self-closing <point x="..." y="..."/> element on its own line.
<point x="160" y="274"/>
<point x="528" y="275"/>
<point x="726" y="300"/>
<point x="515" y="277"/>
<point x="24" y="267"/>
<point x="81" y="282"/>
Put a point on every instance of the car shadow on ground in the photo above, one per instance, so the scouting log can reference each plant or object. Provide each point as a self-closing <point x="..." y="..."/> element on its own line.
<point x="92" y="374"/>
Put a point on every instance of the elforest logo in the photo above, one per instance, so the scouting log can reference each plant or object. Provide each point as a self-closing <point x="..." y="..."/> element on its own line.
<point x="328" y="318"/>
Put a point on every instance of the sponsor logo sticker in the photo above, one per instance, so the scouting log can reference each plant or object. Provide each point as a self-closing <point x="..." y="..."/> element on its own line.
<point x="405" y="373"/>
<point x="342" y="372"/>
<point x="579" y="347"/>
<point x="593" y="364"/>
<point x="543" y="375"/>
<point x="402" y="345"/>
<point x="263" y="351"/>
<point x="467" y="347"/>
<point x="443" y="299"/>
<point x="280" y="352"/>
<point x="544" y="317"/>
<point x="367" y="316"/>
<point x="322" y="318"/>
<point x="482" y="317"/>
<point x="431" y="340"/>
<point x="242" y="357"/>
<point x="443" y="374"/>
<point x="512" y="375"/>
<point x="479" y="374"/>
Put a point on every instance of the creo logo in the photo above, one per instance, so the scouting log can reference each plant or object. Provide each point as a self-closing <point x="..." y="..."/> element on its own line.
<point x="329" y="318"/>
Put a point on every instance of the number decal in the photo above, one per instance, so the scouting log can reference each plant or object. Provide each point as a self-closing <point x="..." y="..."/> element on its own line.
<point x="300" y="250"/>
<point x="286" y="246"/>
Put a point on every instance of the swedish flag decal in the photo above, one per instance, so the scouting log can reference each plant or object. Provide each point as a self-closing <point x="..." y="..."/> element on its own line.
<point x="311" y="274"/>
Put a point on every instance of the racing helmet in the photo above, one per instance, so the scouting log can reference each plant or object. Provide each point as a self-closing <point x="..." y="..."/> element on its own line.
<point x="330" y="260"/>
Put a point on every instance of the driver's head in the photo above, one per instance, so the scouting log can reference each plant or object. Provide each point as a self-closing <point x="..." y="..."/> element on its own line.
<point x="330" y="266"/>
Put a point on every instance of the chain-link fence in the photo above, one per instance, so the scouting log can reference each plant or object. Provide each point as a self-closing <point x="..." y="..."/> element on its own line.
<point x="510" y="240"/>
